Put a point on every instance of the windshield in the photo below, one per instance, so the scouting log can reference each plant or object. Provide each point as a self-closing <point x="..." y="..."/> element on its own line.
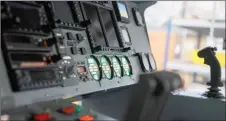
<point x="179" y="29"/>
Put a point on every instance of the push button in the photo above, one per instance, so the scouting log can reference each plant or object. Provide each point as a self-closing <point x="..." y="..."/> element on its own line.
<point x="82" y="51"/>
<point x="68" y="110"/>
<point x="42" y="117"/>
<point x="78" y="108"/>
<point x="69" y="43"/>
<point x="69" y="36"/>
<point x="74" y="50"/>
<point x="79" y="37"/>
<point x="86" y="118"/>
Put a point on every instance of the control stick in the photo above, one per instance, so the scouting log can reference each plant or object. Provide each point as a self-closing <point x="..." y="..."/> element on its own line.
<point x="210" y="59"/>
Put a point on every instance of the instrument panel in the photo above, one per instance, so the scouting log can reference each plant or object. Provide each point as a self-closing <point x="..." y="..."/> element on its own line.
<point x="69" y="48"/>
<point x="109" y="67"/>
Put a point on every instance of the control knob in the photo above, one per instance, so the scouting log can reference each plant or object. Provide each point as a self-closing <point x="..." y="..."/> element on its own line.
<point x="70" y="71"/>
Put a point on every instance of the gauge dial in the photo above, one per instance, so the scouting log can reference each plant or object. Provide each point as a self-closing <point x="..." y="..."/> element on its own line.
<point x="94" y="68"/>
<point x="144" y="62"/>
<point x="126" y="66"/>
<point x="152" y="62"/>
<point x="117" y="66"/>
<point x="106" y="67"/>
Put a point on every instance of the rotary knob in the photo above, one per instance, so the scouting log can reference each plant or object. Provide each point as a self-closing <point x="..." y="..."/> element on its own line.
<point x="70" y="71"/>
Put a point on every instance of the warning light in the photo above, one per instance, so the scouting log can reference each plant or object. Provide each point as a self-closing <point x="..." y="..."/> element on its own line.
<point x="86" y="118"/>
<point x="81" y="69"/>
<point x="68" y="110"/>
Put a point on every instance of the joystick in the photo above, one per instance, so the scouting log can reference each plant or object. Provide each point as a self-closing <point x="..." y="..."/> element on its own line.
<point x="210" y="59"/>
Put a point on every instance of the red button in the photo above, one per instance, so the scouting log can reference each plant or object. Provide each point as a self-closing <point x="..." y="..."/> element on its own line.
<point x="86" y="118"/>
<point x="68" y="110"/>
<point x="42" y="117"/>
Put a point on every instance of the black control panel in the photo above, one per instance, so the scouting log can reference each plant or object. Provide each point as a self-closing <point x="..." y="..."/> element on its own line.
<point x="53" y="49"/>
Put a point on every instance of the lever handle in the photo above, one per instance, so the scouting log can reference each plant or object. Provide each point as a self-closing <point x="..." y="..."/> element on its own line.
<point x="210" y="59"/>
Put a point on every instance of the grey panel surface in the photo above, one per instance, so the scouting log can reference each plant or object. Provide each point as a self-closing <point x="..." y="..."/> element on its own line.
<point x="139" y="43"/>
<point x="113" y="103"/>
<point x="185" y="108"/>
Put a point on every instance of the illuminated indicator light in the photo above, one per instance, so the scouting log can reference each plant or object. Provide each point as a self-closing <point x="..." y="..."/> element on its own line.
<point x="95" y="76"/>
<point x="77" y="103"/>
<point x="91" y="64"/>
<point x="86" y="118"/>
<point x="81" y="69"/>
<point x="78" y="108"/>
<point x="90" y="60"/>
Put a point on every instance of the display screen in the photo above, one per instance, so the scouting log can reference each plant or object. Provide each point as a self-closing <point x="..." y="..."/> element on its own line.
<point x="122" y="10"/>
<point x="139" y="17"/>
<point x="27" y="15"/>
<point x="126" y="66"/>
<point x="116" y="66"/>
<point x="125" y="35"/>
<point x="152" y="62"/>
<point x="95" y="27"/>
<point x="94" y="68"/>
<point x="106" y="67"/>
<point x="81" y="69"/>
<point x="145" y="62"/>
<point x="62" y="11"/>
<point x="97" y="32"/>
<point x="42" y="75"/>
<point x="109" y="28"/>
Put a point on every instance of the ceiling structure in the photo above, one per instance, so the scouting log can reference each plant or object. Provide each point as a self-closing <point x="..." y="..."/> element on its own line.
<point x="193" y="15"/>
<point x="158" y="14"/>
